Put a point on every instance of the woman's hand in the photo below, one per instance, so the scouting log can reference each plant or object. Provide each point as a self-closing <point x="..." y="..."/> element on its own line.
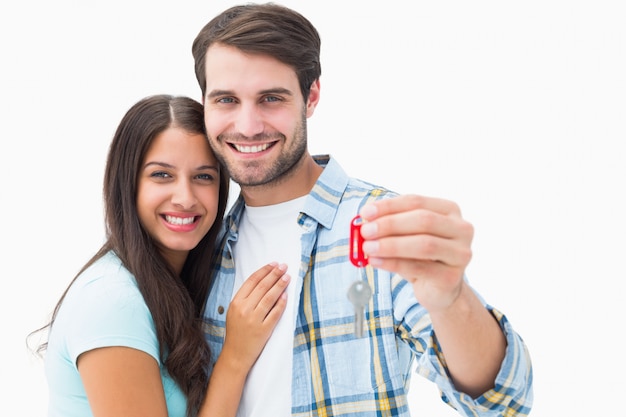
<point x="253" y="314"/>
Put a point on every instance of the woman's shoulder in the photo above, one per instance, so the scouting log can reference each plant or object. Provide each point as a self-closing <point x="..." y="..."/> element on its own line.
<point x="109" y="268"/>
<point x="106" y="277"/>
<point x="104" y="307"/>
<point x="103" y="291"/>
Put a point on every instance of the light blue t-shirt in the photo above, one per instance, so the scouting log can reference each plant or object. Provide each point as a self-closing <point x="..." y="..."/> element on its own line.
<point x="102" y="308"/>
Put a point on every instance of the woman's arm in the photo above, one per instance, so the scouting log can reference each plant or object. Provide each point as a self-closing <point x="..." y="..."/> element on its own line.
<point x="122" y="381"/>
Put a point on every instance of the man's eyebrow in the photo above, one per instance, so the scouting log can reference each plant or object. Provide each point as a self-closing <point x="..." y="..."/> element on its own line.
<point x="217" y="93"/>
<point x="277" y="90"/>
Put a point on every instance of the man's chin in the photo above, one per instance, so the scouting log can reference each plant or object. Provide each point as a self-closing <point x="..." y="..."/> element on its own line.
<point x="248" y="180"/>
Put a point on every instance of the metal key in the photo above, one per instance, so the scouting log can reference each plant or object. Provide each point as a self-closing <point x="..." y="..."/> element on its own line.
<point x="359" y="294"/>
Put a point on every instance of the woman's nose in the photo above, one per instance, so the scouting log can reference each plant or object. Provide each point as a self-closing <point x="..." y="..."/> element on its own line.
<point x="183" y="195"/>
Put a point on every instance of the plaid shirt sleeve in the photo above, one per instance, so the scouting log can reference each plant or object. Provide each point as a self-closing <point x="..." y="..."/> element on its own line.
<point x="512" y="394"/>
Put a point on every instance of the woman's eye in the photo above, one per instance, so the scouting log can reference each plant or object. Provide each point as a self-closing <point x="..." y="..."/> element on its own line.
<point x="206" y="177"/>
<point x="160" y="174"/>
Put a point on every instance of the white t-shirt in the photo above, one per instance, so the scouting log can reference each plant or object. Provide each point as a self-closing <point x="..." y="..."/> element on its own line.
<point x="266" y="234"/>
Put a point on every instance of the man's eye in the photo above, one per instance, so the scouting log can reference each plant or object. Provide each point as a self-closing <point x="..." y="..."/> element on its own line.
<point x="272" y="99"/>
<point x="226" y="100"/>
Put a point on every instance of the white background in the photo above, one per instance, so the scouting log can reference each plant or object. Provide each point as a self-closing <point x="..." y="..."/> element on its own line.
<point x="515" y="110"/>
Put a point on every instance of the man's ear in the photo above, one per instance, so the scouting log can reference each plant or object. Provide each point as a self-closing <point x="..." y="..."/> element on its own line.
<point x="314" y="98"/>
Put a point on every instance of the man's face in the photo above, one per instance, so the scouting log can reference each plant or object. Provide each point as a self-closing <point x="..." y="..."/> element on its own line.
<point x="255" y="115"/>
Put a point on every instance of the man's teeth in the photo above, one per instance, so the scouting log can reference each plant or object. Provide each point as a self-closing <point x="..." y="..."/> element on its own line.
<point x="251" y="149"/>
<point x="179" y="220"/>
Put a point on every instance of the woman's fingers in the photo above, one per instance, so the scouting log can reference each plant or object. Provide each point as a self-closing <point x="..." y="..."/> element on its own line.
<point x="263" y="291"/>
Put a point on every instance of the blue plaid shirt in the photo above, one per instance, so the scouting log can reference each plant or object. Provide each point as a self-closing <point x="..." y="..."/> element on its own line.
<point x="334" y="373"/>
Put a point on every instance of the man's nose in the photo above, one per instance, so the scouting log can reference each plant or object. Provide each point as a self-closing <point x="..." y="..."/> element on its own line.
<point x="249" y="121"/>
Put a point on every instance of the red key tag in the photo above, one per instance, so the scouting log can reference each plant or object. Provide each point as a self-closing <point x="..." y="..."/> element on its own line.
<point x="357" y="257"/>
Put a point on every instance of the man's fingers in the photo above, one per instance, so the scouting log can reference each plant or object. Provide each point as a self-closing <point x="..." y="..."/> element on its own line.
<point x="408" y="202"/>
<point x="418" y="221"/>
<point x="419" y="248"/>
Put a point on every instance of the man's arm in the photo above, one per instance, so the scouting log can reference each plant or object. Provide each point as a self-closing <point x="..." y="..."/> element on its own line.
<point x="427" y="242"/>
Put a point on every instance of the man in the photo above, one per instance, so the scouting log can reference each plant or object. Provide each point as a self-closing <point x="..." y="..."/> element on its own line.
<point x="258" y="67"/>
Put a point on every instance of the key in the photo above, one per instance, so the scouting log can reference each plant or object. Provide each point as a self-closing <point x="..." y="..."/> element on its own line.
<point x="359" y="294"/>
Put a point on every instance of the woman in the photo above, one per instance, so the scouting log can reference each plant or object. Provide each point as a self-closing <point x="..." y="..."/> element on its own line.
<point x="126" y="337"/>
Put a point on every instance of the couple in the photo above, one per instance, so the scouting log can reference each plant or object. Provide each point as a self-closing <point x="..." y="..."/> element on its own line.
<point x="266" y="288"/>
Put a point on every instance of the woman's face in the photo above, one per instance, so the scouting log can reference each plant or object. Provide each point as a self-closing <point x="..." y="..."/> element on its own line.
<point x="178" y="192"/>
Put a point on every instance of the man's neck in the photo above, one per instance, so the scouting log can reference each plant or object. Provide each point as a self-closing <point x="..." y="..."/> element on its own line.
<point x="297" y="183"/>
